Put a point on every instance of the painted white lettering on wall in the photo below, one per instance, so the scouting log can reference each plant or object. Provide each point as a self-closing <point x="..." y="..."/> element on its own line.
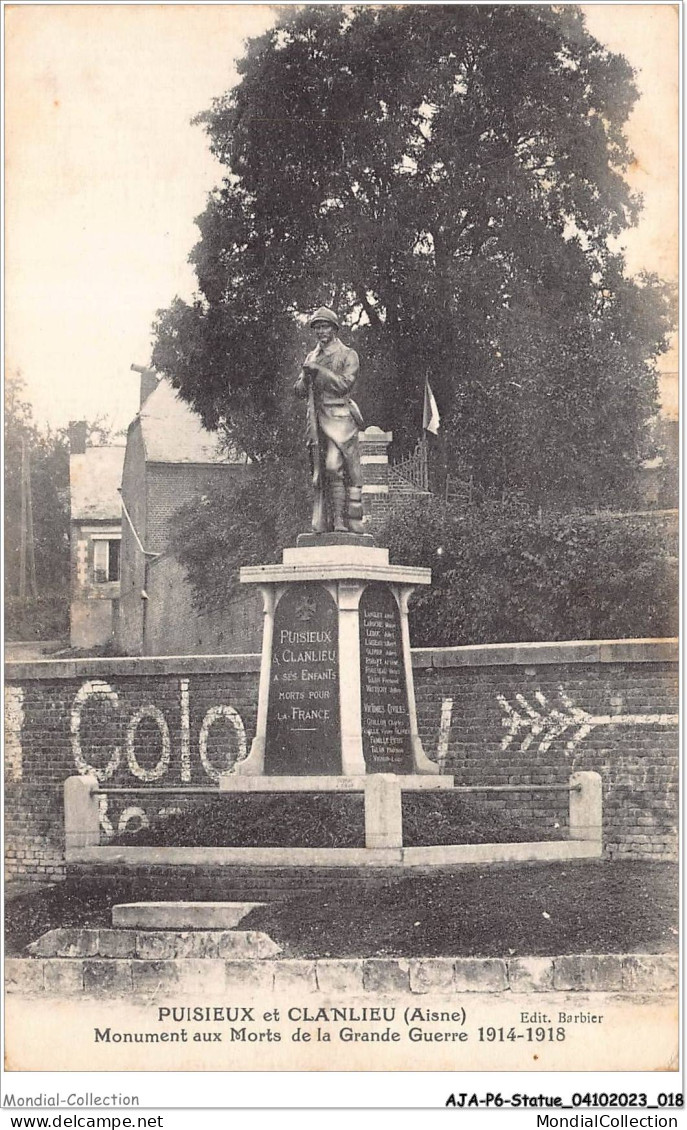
<point x="185" y="731"/>
<point x="235" y="720"/>
<point x="162" y="765"/>
<point x="134" y="814"/>
<point x="549" y="723"/>
<point x="233" y="750"/>
<point x="105" y="822"/>
<point x="93" y="689"/>
<point x="444" y="731"/>
<point x="14" y="720"/>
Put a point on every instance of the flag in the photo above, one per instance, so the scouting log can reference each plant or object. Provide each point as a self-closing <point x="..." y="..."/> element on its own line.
<point x="430" y="414"/>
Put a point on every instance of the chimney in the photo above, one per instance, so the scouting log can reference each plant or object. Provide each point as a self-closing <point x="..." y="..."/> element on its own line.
<point x="78" y="430"/>
<point x="149" y="381"/>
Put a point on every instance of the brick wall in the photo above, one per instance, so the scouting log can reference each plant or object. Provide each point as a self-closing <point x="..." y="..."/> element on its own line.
<point x="528" y="713"/>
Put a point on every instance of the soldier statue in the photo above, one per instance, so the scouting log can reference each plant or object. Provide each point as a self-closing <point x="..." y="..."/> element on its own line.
<point x="333" y="422"/>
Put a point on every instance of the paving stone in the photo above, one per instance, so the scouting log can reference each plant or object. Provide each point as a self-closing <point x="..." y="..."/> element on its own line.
<point x="480" y="975"/>
<point x="530" y="974"/>
<point x="251" y="976"/>
<point x="198" y="943"/>
<point x="155" y="945"/>
<point x="66" y="942"/>
<point x="386" y="975"/>
<point x="588" y="972"/>
<point x="241" y="945"/>
<point x="431" y="974"/>
<point x="343" y="976"/>
<point x="202" y="975"/>
<point x="77" y="943"/>
<point x="295" y="976"/>
<point x="108" y="977"/>
<point x="116" y="943"/>
<point x="63" y="977"/>
<point x="23" y="975"/>
<point x="155" y="977"/>
<point x="654" y="973"/>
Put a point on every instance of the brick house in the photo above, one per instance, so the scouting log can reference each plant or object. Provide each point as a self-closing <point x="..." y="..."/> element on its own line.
<point x="170" y="459"/>
<point x="95" y="474"/>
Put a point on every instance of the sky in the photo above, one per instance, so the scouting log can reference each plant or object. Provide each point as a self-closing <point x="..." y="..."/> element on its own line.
<point x="105" y="174"/>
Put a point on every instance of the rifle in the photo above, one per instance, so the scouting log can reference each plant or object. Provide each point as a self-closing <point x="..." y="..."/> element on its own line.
<point x="313" y="436"/>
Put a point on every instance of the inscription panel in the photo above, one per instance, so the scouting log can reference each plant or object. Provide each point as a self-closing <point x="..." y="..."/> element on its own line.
<point x="303" y="731"/>
<point x="384" y="698"/>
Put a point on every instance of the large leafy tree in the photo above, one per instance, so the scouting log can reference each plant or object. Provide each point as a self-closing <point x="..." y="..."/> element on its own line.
<point x="451" y="179"/>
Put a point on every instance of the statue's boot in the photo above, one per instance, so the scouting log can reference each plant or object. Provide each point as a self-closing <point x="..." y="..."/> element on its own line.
<point x="337" y="501"/>
<point x="355" y="510"/>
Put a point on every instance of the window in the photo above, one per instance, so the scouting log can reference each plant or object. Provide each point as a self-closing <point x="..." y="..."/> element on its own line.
<point x="106" y="560"/>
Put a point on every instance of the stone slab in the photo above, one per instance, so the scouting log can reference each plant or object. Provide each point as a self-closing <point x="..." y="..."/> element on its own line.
<point x="530" y="974"/>
<point x="66" y="942"/>
<point x="409" y="782"/>
<point x="181" y="915"/>
<point x="295" y="976"/>
<point x="649" y="973"/>
<point x="480" y="975"/>
<point x="543" y="654"/>
<point x="588" y="972"/>
<point x="363" y="570"/>
<point x="341" y="857"/>
<point x="500" y="853"/>
<point x="303" y="728"/>
<point x="333" y="537"/>
<point x="230" y="856"/>
<point x="336" y="555"/>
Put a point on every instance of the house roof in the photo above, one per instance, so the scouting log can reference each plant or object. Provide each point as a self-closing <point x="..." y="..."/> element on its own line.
<point x="174" y="433"/>
<point x="94" y="480"/>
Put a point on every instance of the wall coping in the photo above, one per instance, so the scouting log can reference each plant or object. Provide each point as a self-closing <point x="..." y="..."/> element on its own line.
<point x="473" y="655"/>
<point x="536" y="654"/>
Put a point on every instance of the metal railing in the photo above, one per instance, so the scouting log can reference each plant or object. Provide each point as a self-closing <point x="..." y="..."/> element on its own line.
<point x="414" y="468"/>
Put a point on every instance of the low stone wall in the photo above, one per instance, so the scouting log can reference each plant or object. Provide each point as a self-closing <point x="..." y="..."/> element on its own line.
<point x="102" y="976"/>
<point x="496" y="714"/>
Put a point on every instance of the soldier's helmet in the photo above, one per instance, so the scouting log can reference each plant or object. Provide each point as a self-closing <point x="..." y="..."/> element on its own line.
<point x="324" y="314"/>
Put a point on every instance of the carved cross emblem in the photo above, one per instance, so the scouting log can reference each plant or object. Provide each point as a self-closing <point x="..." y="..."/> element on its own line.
<point x="305" y="609"/>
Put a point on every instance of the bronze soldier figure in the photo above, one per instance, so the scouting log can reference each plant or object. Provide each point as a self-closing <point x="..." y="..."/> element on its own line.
<point x="333" y="422"/>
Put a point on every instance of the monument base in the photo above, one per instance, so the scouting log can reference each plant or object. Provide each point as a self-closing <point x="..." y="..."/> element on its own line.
<point x="334" y="538"/>
<point x="336" y="694"/>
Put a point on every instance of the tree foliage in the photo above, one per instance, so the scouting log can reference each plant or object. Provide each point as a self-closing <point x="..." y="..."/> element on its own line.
<point x="48" y="456"/>
<point x="47" y="452"/>
<point x="448" y="177"/>
<point x="503" y="574"/>
<point x="245" y="521"/>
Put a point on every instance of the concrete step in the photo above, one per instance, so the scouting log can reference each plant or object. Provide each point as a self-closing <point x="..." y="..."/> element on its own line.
<point x="181" y="915"/>
<point x="154" y="945"/>
<point x="163" y="883"/>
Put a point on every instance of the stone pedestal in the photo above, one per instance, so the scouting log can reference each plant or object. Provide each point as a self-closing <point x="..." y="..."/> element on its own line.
<point x="336" y="680"/>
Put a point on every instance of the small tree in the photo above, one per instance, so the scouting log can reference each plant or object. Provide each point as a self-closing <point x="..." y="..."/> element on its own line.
<point x="47" y="452"/>
<point x="43" y="613"/>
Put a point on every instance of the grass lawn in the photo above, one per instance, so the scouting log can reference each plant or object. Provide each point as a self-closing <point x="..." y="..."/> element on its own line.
<point x="584" y="906"/>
